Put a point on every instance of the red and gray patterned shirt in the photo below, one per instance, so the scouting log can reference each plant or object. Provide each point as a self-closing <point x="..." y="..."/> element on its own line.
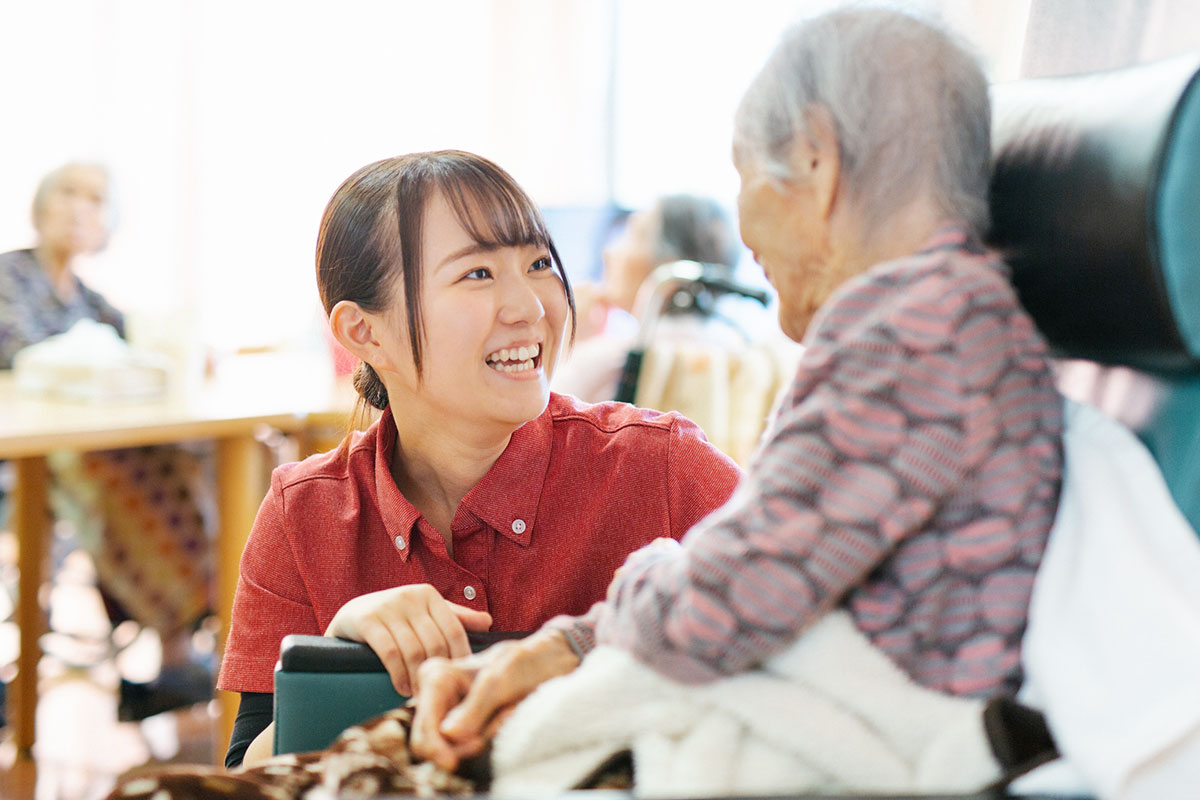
<point x="912" y="475"/>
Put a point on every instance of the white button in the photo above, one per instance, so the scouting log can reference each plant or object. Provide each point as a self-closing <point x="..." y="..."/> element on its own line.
<point x="469" y="592"/>
<point x="518" y="526"/>
<point x="400" y="543"/>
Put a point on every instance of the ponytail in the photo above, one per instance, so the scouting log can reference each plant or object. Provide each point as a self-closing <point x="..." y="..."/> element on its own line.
<point x="369" y="387"/>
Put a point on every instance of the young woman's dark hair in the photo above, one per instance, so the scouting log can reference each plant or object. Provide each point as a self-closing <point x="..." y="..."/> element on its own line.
<point x="372" y="225"/>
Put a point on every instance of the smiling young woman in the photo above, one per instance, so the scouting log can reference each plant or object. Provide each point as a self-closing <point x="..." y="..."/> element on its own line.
<point x="480" y="499"/>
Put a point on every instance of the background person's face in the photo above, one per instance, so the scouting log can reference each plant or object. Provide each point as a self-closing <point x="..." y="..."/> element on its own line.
<point x="630" y="258"/>
<point x="73" y="216"/>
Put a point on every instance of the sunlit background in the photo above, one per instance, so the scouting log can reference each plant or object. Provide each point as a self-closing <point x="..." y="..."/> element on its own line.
<point x="228" y="123"/>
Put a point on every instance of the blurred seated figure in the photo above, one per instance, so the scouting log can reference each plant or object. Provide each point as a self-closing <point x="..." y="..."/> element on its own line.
<point x="677" y="227"/>
<point x="135" y="511"/>
<point x="696" y="357"/>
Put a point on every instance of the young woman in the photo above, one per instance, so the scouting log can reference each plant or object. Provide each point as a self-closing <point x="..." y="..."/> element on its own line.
<point x="478" y="500"/>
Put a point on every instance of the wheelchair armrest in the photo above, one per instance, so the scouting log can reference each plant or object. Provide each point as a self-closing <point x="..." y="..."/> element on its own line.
<point x="324" y="685"/>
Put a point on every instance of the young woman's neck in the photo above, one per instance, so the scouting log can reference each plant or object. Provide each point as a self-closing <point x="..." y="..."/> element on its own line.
<point x="435" y="466"/>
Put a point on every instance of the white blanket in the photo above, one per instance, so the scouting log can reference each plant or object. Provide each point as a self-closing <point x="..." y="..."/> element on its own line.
<point x="830" y="714"/>
<point x="1112" y="651"/>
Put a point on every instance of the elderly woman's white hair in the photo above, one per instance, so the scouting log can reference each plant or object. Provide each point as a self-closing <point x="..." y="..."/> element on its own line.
<point x="876" y="71"/>
<point x="52" y="178"/>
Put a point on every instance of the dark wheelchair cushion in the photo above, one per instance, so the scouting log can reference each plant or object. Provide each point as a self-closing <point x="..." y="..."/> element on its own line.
<point x="1096" y="206"/>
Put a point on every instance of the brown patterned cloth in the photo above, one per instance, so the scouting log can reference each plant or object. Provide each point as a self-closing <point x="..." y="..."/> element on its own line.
<point x="138" y="512"/>
<point x="366" y="760"/>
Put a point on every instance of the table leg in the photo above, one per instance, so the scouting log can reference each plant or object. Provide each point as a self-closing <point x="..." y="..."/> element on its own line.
<point x="240" y="490"/>
<point x="31" y="522"/>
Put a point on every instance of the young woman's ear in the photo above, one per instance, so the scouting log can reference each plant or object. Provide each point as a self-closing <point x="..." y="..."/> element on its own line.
<point x="353" y="328"/>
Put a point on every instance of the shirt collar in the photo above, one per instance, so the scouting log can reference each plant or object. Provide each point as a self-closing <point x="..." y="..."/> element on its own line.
<point x="506" y="499"/>
<point x="951" y="234"/>
<point x="399" y="515"/>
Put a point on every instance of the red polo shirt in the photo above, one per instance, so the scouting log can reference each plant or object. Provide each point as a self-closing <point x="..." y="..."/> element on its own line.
<point x="575" y="492"/>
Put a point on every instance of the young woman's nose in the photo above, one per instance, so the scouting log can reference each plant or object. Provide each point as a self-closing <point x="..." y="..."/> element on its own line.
<point x="520" y="302"/>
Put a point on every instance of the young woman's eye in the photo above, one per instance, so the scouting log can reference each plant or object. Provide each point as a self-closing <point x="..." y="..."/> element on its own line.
<point x="479" y="274"/>
<point x="541" y="264"/>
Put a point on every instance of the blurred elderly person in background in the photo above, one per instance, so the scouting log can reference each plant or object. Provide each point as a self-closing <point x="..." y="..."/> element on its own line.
<point x="677" y="227"/>
<point x="912" y="473"/>
<point x="151" y="563"/>
<point x="40" y="293"/>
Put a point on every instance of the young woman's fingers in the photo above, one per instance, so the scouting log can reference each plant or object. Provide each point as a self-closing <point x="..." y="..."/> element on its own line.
<point x="470" y="618"/>
<point x="441" y="614"/>
<point x="398" y="647"/>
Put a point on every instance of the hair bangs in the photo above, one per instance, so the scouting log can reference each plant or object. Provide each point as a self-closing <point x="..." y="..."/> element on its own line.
<point x="492" y="209"/>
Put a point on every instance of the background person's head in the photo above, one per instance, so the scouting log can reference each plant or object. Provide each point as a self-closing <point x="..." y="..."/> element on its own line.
<point x="373" y="239"/>
<point x="859" y="117"/>
<point x="677" y="227"/>
<point x="72" y="211"/>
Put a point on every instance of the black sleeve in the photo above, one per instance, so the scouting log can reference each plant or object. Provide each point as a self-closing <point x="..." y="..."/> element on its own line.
<point x="255" y="712"/>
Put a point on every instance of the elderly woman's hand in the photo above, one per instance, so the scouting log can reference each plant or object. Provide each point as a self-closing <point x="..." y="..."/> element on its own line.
<point x="463" y="702"/>
<point x="407" y="625"/>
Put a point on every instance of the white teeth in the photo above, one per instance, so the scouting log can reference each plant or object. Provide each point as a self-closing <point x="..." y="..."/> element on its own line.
<point x="522" y="367"/>
<point x="524" y="354"/>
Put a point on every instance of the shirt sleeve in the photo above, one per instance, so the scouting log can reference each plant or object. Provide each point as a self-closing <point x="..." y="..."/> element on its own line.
<point x="271" y="601"/>
<point x="876" y="431"/>
<point x="699" y="480"/>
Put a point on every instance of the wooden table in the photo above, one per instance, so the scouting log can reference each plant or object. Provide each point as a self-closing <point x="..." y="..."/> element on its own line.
<point x="247" y="396"/>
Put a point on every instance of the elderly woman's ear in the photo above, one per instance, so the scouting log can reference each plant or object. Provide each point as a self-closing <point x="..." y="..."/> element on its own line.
<point x="815" y="158"/>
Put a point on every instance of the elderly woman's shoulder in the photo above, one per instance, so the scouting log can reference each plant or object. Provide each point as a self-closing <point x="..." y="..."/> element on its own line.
<point x="921" y="299"/>
<point x="961" y="280"/>
<point x="17" y="260"/>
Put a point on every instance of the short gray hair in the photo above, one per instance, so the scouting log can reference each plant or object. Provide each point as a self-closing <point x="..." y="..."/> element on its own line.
<point x="908" y="99"/>
<point x="51" y="179"/>
<point x="696" y="229"/>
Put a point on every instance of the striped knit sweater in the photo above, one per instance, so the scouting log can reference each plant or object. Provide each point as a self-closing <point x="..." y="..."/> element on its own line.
<point x="911" y="475"/>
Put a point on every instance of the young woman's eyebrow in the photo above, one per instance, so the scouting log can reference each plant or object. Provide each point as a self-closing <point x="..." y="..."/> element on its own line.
<point x="463" y="252"/>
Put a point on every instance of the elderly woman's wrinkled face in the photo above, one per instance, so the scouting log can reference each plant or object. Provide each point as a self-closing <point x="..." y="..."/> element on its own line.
<point x="73" y="215"/>
<point x="780" y="224"/>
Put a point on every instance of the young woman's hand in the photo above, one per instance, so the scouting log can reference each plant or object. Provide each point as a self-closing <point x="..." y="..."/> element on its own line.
<point x="461" y="703"/>
<point x="407" y="625"/>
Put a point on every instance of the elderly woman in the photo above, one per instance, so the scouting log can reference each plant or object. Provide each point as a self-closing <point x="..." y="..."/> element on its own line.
<point x="913" y="472"/>
<point x="151" y="566"/>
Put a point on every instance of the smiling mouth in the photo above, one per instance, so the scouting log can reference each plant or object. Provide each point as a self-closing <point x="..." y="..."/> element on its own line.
<point x="516" y="359"/>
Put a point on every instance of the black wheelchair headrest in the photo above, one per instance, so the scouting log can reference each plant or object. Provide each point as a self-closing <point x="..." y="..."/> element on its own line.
<point x="1096" y="206"/>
